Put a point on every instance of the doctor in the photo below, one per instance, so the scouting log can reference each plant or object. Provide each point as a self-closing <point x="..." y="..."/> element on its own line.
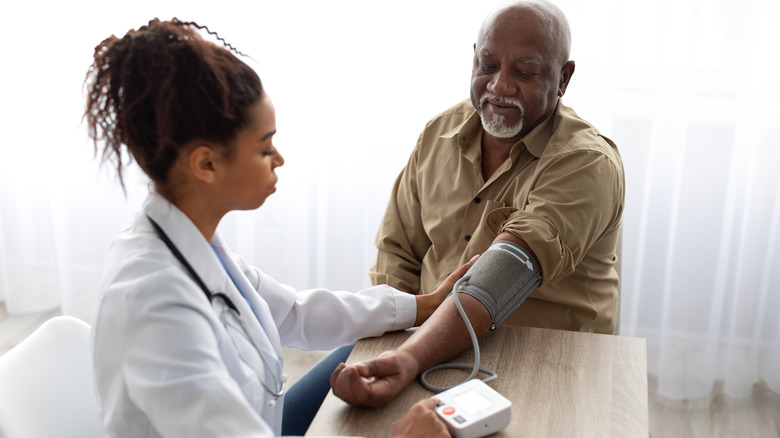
<point x="188" y="337"/>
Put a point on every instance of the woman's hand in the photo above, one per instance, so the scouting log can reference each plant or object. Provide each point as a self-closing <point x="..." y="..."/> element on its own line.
<point x="427" y="304"/>
<point x="421" y="421"/>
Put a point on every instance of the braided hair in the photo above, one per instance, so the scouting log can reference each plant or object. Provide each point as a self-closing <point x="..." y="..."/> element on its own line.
<point x="161" y="87"/>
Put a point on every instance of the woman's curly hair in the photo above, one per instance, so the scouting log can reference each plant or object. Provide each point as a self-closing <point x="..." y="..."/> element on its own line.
<point x="160" y="87"/>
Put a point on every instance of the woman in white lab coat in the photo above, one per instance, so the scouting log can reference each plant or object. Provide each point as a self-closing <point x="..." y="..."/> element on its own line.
<point x="188" y="338"/>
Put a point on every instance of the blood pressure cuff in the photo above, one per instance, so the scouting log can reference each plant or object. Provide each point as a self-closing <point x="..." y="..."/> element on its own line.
<point x="502" y="278"/>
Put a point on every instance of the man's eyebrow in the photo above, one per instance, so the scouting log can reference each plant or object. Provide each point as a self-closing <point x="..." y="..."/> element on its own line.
<point x="524" y="60"/>
<point x="268" y="135"/>
<point x="534" y="61"/>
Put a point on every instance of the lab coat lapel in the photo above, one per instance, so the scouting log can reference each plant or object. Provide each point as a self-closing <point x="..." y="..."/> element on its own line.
<point x="265" y="320"/>
<point x="191" y="243"/>
<point x="265" y="340"/>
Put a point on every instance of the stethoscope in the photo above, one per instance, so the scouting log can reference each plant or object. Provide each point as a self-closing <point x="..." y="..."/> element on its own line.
<point x="231" y="308"/>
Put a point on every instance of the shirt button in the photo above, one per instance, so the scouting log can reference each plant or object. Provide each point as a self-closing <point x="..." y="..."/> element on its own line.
<point x="468" y="237"/>
<point x="477" y="199"/>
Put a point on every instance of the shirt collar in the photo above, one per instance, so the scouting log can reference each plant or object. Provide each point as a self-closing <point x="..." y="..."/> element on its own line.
<point x="468" y="134"/>
<point x="471" y="129"/>
<point x="536" y="140"/>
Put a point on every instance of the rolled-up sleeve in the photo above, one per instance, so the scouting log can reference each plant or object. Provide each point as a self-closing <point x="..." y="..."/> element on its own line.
<point x="574" y="201"/>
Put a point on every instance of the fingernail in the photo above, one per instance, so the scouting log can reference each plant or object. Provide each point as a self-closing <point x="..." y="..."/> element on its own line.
<point x="474" y="258"/>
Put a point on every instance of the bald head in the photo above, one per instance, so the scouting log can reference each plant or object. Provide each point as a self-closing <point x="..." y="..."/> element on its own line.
<point x="552" y="24"/>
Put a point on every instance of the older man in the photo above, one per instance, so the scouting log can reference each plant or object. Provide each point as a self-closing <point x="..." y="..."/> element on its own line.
<point x="516" y="176"/>
<point x="514" y="161"/>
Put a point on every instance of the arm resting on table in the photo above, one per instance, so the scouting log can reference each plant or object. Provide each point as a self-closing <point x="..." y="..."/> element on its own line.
<point x="441" y="337"/>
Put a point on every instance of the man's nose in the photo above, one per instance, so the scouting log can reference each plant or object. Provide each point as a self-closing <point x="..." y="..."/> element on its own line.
<point x="501" y="84"/>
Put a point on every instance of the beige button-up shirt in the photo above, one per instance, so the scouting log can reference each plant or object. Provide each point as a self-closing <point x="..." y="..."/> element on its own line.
<point x="561" y="190"/>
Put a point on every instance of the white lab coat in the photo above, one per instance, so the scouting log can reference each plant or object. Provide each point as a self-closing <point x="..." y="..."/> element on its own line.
<point x="164" y="362"/>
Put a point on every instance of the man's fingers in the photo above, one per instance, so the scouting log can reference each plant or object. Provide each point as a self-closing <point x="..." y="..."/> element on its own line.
<point x="350" y="386"/>
<point x="335" y="375"/>
<point x="383" y="366"/>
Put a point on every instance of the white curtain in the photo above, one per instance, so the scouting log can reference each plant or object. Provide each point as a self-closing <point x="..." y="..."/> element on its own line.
<point x="685" y="87"/>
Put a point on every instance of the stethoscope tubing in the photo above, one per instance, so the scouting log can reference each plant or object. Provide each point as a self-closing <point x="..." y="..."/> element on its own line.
<point x="231" y="308"/>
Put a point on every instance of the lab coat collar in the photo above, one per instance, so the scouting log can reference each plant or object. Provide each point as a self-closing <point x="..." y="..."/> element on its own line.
<point x="188" y="239"/>
<point x="191" y="243"/>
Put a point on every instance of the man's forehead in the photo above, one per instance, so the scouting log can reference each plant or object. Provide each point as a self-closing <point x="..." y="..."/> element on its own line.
<point x="522" y="31"/>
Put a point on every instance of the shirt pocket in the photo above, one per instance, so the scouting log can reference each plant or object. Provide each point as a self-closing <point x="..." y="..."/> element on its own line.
<point x="495" y="217"/>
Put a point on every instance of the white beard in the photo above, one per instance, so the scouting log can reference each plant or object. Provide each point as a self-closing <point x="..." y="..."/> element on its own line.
<point x="497" y="127"/>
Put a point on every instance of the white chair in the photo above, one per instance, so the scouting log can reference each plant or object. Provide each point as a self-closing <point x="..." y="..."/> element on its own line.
<point x="46" y="385"/>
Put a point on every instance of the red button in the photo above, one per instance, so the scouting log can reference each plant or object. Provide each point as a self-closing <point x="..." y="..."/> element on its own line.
<point x="448" y="411"/>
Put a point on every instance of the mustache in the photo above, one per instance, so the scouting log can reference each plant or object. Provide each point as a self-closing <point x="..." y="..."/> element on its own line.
<point x="501" y="99"/>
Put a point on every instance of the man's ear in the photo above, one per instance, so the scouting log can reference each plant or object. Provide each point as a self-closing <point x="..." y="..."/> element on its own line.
<point x="566" y="73"/>
<point x="201" y="163"/>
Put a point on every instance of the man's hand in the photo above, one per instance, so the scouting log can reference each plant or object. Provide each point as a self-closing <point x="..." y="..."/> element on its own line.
<point x="421" y="421"/>
<point x="373" y="383"/>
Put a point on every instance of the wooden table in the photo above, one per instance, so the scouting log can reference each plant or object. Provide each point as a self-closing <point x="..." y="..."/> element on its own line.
<point x="561" y="384"/>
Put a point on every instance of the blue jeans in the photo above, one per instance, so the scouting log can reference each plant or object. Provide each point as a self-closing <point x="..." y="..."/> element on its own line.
<point x="303" y="399"/>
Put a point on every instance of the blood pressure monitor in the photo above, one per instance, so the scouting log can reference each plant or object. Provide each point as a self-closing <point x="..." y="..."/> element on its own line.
<point x="473" y="409"/>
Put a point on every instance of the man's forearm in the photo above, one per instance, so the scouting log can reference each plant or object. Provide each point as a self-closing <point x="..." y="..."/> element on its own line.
<point x="445" y="334"/>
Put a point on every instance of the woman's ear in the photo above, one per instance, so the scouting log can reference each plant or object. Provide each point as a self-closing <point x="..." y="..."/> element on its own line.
<point x="201" y="163"/>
